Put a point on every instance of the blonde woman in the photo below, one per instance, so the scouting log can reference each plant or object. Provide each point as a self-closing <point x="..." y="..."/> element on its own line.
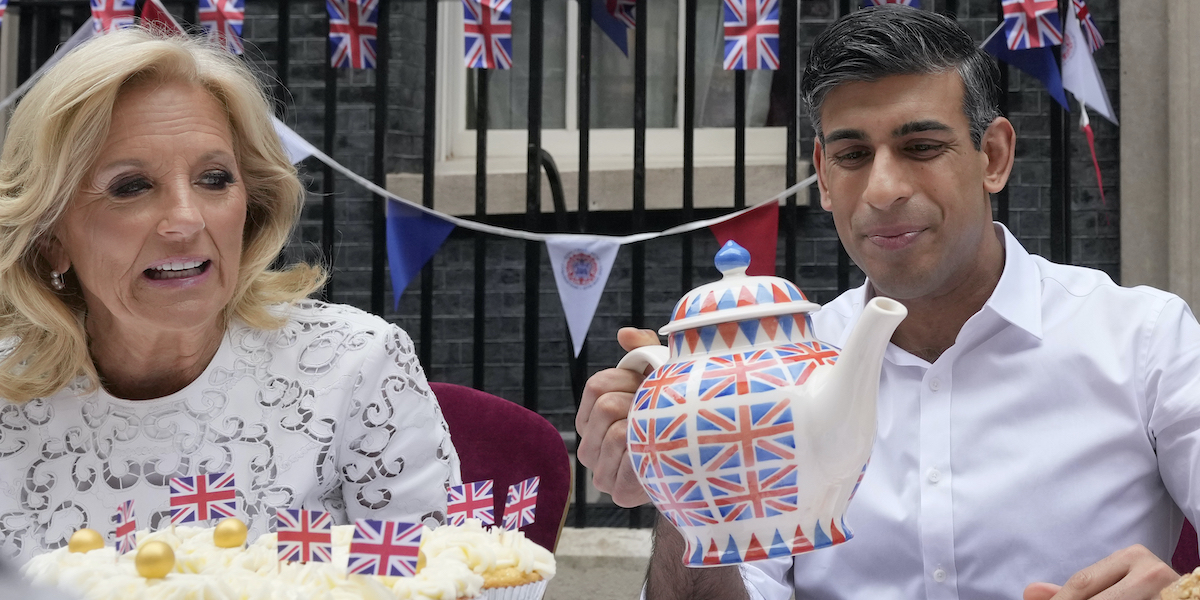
<point x="143" y="196"/>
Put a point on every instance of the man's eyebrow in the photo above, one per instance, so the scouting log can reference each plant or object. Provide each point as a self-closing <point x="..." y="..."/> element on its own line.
<point x="845" y="134"/>
<point x="918" y="126"/>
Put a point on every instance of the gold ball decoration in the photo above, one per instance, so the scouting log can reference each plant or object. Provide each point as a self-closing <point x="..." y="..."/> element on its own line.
<point x="230" y="533"/>
<point x="85" y="540"/>
<point x="154" y="560"/>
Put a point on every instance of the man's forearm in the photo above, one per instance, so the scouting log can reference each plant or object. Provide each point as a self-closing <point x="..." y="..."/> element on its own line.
<point x="668" y="579"/>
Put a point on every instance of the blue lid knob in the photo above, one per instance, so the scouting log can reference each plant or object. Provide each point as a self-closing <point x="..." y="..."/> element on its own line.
<point x="732" y="259"/>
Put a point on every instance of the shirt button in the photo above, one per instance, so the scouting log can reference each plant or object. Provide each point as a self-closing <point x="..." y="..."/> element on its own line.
<point x="934" y="476"/>
<point x="935" y="384"/>
<point x="939" y="575"/>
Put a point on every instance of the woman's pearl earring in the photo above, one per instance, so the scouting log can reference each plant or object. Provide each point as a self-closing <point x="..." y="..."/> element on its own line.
<point x="56" y="281"/>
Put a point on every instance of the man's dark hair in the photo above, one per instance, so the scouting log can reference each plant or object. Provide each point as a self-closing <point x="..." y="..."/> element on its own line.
<point x="874" y="43"/>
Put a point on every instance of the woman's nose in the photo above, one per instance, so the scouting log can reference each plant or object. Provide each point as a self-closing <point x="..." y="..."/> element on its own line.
<point x="183" y="217"/>
<point x="888" y="181"/>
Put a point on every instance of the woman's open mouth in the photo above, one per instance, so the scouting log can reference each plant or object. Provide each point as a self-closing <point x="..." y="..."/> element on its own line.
<point x="178" y="270"/>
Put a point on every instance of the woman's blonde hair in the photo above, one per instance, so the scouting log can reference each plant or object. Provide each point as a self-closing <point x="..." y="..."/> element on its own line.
<point x="54" y="137"/>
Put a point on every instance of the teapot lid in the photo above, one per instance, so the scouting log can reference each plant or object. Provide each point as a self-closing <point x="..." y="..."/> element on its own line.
<point x="737" y="296"/>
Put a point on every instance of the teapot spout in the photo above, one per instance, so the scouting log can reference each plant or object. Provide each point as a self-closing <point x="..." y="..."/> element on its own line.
<point x="845" y="402"/>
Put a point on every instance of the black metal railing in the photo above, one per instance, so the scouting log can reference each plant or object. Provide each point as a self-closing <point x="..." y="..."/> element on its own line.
<point x="45" y="23"/>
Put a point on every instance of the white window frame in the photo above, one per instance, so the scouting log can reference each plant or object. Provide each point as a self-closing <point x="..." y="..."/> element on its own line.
<point x="611" y="149"/>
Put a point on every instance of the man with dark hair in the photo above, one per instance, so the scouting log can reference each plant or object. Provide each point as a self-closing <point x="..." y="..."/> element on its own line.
<point x="1038" y="425"/>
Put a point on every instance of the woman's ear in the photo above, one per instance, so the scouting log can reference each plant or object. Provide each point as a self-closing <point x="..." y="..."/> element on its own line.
<point x="998" y="145"/>
<point x="55" y="255"/>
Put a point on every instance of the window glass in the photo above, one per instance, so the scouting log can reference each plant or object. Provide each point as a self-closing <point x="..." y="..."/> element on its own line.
<point x="508" y="89"/>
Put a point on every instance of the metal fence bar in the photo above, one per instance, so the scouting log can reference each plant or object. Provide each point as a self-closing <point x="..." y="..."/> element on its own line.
<point x="481" y="129"/>
<point x="533" y="204"/>
<point x="328" y="203"/>
<point x="638" y="272"/>
<point x="283" y="37"/>
<point x="789" y="62"/>
<point x="378" y="214"/>
<point x="584" y="121"/>
<point x="1060" y="181"/>
<point x="689" y="141"/>
<point x="428" y="166"/>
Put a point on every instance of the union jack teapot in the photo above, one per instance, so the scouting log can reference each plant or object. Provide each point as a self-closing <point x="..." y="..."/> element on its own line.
<point x="751" y="435"/>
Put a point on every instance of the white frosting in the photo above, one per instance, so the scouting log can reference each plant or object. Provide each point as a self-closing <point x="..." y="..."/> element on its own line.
<point x="455" y="560"/>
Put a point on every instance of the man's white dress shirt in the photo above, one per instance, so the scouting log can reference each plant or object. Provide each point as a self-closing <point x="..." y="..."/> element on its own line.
<point x="1061" y="426"/>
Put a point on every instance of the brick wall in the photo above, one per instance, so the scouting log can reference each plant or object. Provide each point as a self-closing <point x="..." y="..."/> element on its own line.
<point x="1095" y="225"/>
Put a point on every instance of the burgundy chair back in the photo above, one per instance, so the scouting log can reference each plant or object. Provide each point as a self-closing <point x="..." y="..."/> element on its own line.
<point x="1187" y="556"/>
<point x="503" y="441"/>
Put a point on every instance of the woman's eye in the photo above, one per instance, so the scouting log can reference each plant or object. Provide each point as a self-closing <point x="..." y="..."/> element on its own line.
<point x="217" y="179"/>
<point x="129" y="187"/>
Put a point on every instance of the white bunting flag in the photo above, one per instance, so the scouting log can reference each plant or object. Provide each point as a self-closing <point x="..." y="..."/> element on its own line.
<point x="581" y="266"/>
<point x="1079" y="72"/>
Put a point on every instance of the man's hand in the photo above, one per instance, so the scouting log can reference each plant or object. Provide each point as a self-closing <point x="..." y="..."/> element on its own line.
<point x="1134" y="573"/>
<point x="602" y="420"/>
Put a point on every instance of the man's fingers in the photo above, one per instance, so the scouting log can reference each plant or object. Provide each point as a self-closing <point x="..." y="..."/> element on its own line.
<point x="1133" y="572"/>
<point x="1040" y="591"/>
<point x="631" y="338"/>
<point x="608" y="381"/>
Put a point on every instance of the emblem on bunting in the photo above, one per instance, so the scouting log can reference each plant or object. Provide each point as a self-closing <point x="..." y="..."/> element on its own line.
<point x="304" y="535"/>
<point x="521" y="503"/>
<point x="751" y="34"/>
<point x="384" y="548"/>
<point x="111" y="15"/>
<point x="1031" y="24"/>
<point x="202" y="497"/>
<point x="471" y="501"/>
<point x="1090" y="31"/>
<point x="222" y="21"/>
<point x="487" y="32"/>
<point x="581" y="268"/>
<point x="126" y="527"/>
<point x="353" y="27"/>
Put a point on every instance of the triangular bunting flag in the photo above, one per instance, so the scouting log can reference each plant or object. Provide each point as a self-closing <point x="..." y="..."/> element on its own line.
<point x="155" y="16"/>
<point x="413" y="237"/>
<point x="757" y="231"/>
<point x="614" y="28"/>
<point x="581" y="268"/>
<point x="1079" y="72"/>
<point x="1037" y="62"/>
<point x="297" y="148"/>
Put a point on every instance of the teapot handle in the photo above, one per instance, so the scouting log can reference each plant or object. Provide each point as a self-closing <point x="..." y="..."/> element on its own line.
<point x="647" y="356"/>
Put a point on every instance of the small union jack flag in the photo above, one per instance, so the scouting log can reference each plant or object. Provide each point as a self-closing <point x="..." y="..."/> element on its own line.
<point x="681" y="502"/>
<point x="126" y="527"/>
<point x="222" y="20"/>
<point x="353" y="31"/>
<point x="751" y="34"/>
<point x="659" y="446"/>
<point x="912" y="3"/>
<point x="111" y="15"/>
<point x="739" y="373"/>
<point x="1088" y="24"/>
<point x="738" y="436"/>
<point x="384" y="548"/>
<point x="304" y="535"/>
<point x="488" y="34"/>
<point x="520" y="505"/>
<point x="624" y="11"/>
<point x="1031" y="24"/>
<point x="758" y="494"/>
<point x="471" y="501"/>
<point x="202" y="497"/>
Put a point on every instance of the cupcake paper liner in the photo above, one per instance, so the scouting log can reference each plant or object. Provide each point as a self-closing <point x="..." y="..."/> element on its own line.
<point x="529" y="591"/>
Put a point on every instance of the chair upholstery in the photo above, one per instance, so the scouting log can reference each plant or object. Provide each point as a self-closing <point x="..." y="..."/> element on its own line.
<point x="503" y="441"/>
<point x="1187" y="556"/>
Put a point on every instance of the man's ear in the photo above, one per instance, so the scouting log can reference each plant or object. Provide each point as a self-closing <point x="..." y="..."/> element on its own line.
<point x="819" y="165"/>
<point x="998" y="146"/>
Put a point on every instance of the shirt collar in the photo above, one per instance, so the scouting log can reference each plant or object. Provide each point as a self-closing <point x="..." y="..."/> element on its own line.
<point x="1016" y="299"/>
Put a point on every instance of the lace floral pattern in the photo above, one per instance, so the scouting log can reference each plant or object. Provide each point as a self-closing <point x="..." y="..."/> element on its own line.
<point x="331" y="412"/>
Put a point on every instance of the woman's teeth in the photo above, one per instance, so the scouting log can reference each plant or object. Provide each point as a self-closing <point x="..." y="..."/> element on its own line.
<point x="177" y="270"/>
